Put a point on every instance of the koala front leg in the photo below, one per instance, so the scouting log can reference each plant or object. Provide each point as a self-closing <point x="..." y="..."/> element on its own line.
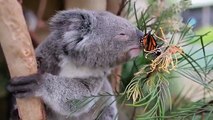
<point x="109" y="112"/>
<point x="57" y="92"/>
<point x="24" y="86"/>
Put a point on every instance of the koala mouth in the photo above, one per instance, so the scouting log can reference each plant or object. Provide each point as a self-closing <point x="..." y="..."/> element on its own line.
<point x="134" y="51"/>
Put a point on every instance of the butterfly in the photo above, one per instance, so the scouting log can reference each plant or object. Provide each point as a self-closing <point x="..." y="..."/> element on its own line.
<point x="148" y="42"/>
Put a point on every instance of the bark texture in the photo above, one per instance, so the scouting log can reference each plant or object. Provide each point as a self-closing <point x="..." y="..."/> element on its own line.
<point x="19" y="53"/>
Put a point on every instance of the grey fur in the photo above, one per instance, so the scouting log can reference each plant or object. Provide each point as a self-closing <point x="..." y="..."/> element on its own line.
<point x="75" y="60"/>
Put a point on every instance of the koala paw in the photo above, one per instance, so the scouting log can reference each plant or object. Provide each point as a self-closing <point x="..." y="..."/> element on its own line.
<point x="109" y="113"/>
<point x="24" y="86"/>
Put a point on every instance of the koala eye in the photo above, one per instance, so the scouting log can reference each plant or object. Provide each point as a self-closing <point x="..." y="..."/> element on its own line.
<point x="122" y="34"/>
<point x="79" y="39"/>
<point x="121" y="37"/>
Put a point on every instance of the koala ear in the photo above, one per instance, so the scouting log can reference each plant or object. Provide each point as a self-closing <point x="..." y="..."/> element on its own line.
<point x="71" y="20"/>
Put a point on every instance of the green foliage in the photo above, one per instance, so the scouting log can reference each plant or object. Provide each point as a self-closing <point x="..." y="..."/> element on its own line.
<point x="204" y="30"/>
<point x="146" y="81"/>
<point x="149" y="89"/>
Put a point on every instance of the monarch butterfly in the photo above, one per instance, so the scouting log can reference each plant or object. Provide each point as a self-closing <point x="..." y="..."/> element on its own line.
<point x="148" y="42"/>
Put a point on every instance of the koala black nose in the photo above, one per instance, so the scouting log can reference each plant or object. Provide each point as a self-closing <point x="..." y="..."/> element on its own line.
<point x="139" y="33"/>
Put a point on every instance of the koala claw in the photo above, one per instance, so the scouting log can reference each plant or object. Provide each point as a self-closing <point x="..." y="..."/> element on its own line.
<point x="23" y="86"/>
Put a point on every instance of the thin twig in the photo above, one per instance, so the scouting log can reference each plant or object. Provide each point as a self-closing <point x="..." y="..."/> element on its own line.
<point x="133" y="113"/>
<point x="41" y="8"/>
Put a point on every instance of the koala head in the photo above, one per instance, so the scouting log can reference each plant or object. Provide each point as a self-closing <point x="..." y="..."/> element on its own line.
<point x="96" y="39"/>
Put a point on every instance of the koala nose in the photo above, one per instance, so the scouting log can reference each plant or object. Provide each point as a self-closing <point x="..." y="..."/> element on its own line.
<point x="139" y="33"/>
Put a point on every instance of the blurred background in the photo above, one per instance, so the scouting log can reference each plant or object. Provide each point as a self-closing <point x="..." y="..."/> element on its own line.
<point x="38" y="12"/>
<point x="200" y="16"/>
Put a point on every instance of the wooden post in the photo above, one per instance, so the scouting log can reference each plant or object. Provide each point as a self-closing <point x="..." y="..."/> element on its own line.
<point x="86" y="4"/>
<point x="113" y="5"/>
<point x="19" y="54"/>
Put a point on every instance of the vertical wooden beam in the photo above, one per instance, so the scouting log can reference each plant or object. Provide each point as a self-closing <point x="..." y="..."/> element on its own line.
<point x="86" y="4"/>
<point x="19" y="54"/>
<point x="113" y="5"/>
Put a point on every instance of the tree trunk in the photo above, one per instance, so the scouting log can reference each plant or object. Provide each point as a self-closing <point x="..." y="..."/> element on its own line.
<point x="19" y="54"/>
<point x="86" y="4"/>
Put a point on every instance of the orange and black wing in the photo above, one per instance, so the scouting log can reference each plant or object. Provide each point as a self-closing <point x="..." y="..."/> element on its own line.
<point x="149" y="42"/>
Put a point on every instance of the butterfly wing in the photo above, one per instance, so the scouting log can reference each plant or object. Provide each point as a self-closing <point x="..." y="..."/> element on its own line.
<point x="149" y="42"/>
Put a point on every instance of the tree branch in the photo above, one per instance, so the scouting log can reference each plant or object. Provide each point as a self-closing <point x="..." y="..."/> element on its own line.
<point x="19" y="54"/>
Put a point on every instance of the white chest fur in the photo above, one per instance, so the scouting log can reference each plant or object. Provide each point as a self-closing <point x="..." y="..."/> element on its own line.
<point x="68" y="69"/>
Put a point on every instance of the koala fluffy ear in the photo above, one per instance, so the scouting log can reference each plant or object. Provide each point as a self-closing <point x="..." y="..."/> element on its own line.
<point x="71" y="20"/>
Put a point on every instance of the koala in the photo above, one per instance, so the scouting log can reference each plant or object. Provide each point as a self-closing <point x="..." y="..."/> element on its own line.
<point x="74" y="63"/>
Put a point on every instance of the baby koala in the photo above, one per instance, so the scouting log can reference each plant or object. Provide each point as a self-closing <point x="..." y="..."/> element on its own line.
<point x="74" y="62"/>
